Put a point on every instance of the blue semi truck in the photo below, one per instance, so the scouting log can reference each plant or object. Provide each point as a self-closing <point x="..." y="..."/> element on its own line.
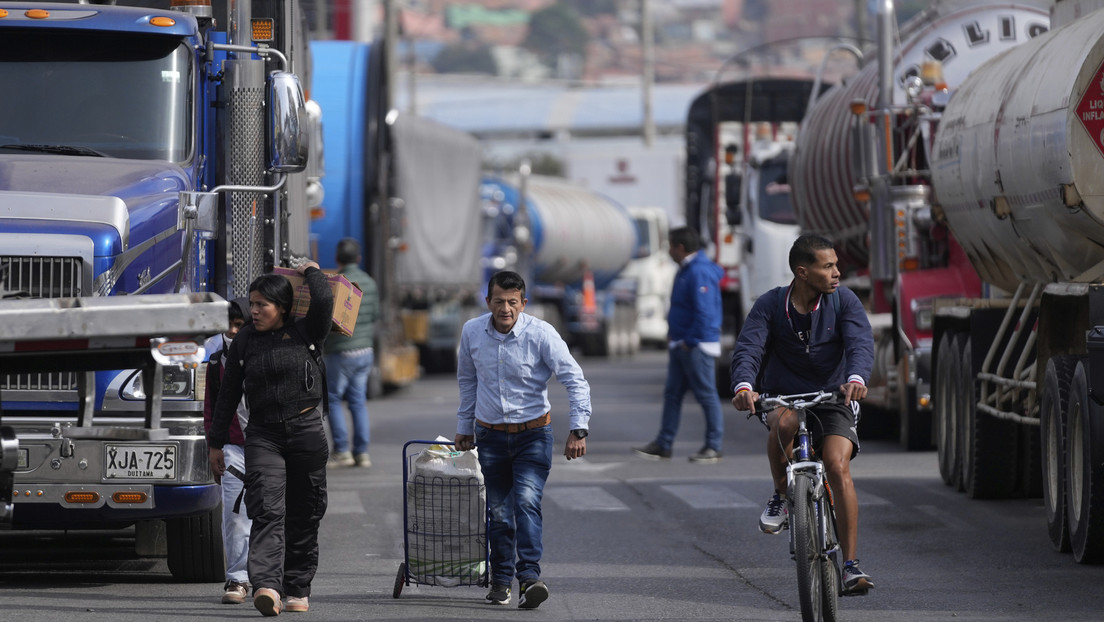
<point x="144" y="152"/>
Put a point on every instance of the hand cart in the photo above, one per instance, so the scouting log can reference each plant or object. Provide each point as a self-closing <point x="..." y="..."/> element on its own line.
<point x="444" y="518"/>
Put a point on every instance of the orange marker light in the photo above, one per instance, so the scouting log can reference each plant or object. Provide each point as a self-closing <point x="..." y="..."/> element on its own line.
<point x="81" y="496"/>
<point x="162" y="21"/>
<point x="37" y="14"/>
<point x="129" y="497"/>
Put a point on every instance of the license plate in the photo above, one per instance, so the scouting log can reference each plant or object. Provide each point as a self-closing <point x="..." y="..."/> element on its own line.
<point x="139" y="462"/>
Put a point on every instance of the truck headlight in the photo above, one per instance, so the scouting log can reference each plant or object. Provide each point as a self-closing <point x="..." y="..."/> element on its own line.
<point x="922" y="313"/>
<point x="177" y="383"/>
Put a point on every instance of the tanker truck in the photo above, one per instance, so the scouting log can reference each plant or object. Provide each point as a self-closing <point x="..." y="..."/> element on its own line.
<point x="571" y="246"/>
<point x="1018" y="173"/>
<point x="144" y="152"/>
<point x="861" y="176"/>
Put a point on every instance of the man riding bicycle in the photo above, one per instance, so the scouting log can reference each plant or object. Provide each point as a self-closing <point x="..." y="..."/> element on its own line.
<point x="803" y="337"/>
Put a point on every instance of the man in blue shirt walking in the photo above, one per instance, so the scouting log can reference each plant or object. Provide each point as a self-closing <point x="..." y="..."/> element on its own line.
<point x="694" y="341"/>
<point x="505" y="361"/>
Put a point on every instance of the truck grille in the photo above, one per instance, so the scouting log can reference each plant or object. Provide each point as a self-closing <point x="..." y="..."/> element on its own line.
<point x="41" y="277"/>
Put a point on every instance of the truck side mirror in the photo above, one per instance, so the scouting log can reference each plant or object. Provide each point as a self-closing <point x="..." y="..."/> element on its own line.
<point x="288" y="131"/>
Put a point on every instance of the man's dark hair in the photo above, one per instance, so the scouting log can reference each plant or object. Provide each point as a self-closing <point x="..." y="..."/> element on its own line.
<point x="804" y="250"/>
<point x="348" y="251"/>
<point x="687" y="237"/>
<point x="507" y="280"/>
<point x="276" y="289"/>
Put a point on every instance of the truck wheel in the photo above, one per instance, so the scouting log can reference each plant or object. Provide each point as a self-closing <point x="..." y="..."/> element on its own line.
<point x="990" y="446"/>
<point x="1085" y="471"/>
<point x="946" y="432"/>
<point x="195" y="547"/>
<point x="1053" y="407"/>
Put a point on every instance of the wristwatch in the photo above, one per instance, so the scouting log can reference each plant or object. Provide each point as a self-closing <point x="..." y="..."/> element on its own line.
<point x="580" y="433"/>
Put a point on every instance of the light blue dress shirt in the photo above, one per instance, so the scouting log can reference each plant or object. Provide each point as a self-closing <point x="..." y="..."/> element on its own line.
<point x="504" y="377"/>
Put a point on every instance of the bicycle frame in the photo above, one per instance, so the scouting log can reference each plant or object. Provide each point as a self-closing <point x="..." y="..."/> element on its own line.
<point x="809" y="500"/>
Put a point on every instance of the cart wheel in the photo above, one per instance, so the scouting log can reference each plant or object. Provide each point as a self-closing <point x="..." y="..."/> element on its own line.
<point x="400" y="580"/>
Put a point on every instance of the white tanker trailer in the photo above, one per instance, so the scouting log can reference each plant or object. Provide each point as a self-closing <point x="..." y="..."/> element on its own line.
<point x="1018" y="170"/>
<point x="571" y="246"/>
<point x="860" y="176"/>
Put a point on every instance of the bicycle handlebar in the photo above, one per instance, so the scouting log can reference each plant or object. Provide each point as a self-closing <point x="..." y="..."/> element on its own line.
<point x="797" y="401"/>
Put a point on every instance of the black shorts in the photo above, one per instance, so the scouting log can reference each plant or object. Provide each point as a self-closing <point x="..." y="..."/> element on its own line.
<point x="828" y="419"/>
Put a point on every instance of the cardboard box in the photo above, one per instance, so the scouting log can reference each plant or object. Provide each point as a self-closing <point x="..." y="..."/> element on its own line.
<point x="346" y="299"/>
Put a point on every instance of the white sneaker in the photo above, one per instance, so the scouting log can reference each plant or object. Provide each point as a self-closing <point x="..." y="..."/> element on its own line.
<point x="341" y="459"/>
<point x="774" y="516"/>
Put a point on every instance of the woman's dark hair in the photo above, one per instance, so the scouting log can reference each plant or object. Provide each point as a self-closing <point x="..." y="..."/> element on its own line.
<point x="276" y="289"/>
<point x="507" y="281"/>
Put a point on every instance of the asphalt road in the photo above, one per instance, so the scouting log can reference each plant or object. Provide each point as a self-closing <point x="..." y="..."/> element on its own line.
<point x="625" y="538"/>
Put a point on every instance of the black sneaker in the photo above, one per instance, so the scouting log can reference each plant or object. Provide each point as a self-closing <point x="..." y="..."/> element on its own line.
<point x="707" y="455"/>
<point x="855" y="581"/>
<point x="774" y="516"/>
<point x="652" y="451"/>
<point x="533" y="593"/>
<point x="499" y="594"/>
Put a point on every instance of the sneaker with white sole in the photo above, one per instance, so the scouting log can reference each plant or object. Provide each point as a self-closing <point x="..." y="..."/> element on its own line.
<point x="298" y="603"/>
<point x="855" y="581"/>
<point x="235" y="593"/>
<point x="775" y="515"/>
<point x="499" y="594"/>
<point x="533" y="593"/>
<point x="267" y="601"/>
<point x="341" y="459"/>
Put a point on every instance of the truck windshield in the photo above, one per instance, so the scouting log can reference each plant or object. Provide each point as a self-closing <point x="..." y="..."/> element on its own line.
<point x="89" y="93"/>
<point x="774" y="193"/>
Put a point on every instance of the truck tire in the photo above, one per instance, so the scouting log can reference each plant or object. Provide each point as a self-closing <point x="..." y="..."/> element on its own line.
<point x="989" y="445"/>
<point x="1053" y="406"/>
<point x="1085" y="471"/>
<point x="195" y="548"/>
<point x="946" y="431"/>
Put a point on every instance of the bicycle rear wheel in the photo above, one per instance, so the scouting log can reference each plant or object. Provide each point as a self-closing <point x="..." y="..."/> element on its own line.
<point x="807" y="551"/>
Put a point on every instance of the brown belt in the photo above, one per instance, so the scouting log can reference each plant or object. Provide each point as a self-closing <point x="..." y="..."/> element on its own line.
<point x="514" y="428"/>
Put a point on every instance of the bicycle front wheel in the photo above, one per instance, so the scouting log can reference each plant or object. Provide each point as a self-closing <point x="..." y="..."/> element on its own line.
<point x="807" y="552"/>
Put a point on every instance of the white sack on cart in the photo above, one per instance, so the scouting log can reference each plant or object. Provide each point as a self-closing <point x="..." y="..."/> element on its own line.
<point x="446" y="514"/>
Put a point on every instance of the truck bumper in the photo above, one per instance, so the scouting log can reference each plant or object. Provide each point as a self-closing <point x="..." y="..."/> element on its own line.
<point x="165" y="502"/>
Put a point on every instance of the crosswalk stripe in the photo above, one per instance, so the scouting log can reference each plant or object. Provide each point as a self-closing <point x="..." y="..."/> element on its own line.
<point x="709" y="496"/>
<point x="344" y="502"/>
<point x="585" y="498"/>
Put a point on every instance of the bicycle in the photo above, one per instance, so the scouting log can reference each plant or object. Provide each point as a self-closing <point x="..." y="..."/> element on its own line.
<point x="814" y="540"/>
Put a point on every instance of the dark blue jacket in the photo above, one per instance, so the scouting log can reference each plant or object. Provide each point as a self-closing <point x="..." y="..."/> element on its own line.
<point x="695" y="314"/>
<point x="772" y="359"/>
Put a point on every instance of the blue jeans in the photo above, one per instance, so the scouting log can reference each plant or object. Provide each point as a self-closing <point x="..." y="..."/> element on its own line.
<point x="515" y="468"/>
<point x="347" y="379"/>
<point x="235" y="527"/>
<point x="691" y="369"/>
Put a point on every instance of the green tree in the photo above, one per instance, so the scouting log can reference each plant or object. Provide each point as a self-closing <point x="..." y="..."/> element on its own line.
<point x="465" y="57"/>
<point x="555" y="30"/>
